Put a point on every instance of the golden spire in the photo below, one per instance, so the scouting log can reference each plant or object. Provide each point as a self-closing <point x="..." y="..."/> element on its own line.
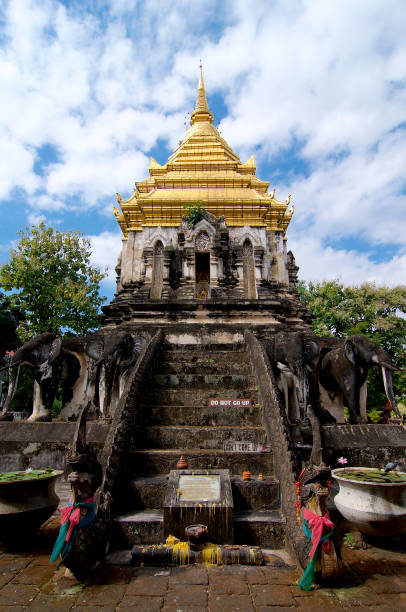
<point x="203" y="167"/>
<point x="202" y="111"/>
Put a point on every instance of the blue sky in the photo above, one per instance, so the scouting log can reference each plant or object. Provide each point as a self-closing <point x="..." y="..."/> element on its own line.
<point x="316" y="89"/>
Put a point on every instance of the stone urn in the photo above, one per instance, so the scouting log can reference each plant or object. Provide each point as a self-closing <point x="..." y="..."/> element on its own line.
<point x="376" y="508"/>
<point x="26" y="504"/>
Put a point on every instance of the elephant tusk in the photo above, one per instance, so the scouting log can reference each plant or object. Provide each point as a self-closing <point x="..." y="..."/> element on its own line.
<point x="13" y="365"/>
<point x="388" y="366"/>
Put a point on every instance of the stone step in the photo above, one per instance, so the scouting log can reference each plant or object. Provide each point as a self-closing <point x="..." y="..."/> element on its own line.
<point x="138" y="527"/>
<point x="255" y="494"/>
<point x="247" y="495"/>
<point x="208" y="362"/>
<point x="185" y="436"/>
<point x="257" y="528"/>
<point x="219" y="383"/>
<point x="203" y="415"/>
<point x="197" y="397"/>
<point x="152" y="462"/>
<point x="265" y="528"/>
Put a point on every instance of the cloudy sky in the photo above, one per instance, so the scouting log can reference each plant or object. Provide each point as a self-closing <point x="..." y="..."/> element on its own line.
<point x="315" y="88"/>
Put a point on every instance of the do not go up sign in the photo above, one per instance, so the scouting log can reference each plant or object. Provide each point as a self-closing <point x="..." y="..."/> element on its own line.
<point x="216" y="402"/>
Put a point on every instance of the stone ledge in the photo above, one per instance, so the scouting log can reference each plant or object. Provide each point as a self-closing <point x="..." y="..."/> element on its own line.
<point x="57" y="431"/>
<point x="364" y="436"/>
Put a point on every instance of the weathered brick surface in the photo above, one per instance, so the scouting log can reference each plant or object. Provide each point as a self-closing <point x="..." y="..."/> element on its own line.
<point x="386" y="584"/>
<point x="18" y="594"/>
<point x="188" y="575"/>
<point x="192" y="595"/>
<point x="271" y="594"/>
<point x="35" y="574"/>
<point x="230" y="584"/>
<point x="28" y="584"/>
<point x="230" y="603"/>
<point x="103" y="595"/>
<point x="44" y="603"/>
<point x="148" y="585"/>
<point x="141" y="604"/>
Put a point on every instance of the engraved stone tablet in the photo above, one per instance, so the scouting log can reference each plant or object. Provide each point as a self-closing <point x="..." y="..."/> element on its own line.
<point x="200" y="496"/>
<point x="199" y="488"/>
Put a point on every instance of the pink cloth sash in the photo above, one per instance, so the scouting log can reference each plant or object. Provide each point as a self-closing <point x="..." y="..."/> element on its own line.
<point x="317" y="525"/>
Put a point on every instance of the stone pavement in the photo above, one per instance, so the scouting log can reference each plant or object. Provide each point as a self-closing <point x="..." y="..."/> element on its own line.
<point x="374" y="578"/>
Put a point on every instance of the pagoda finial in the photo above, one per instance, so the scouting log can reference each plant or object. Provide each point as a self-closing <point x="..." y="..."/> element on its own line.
<point x="201" y="112"/>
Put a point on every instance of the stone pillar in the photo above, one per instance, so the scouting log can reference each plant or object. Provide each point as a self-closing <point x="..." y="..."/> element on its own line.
<point x="167" y="254"/>
<point x="148" y="255"/>
<point x="157" y="272"/>
<point x="278" y="269"/>
<point x="127" y="259"/>
<point x="258" y="262"/>
<point x="250" y="290"/>
<point x="190" y="265"/>
<point x="214" y="270"/>
<point x="137" y="267"/>
<point x="239" y="266"/>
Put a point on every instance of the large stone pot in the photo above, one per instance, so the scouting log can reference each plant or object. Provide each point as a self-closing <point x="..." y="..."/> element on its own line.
<point x="26" y="504"/>
<point x="376" y="508"/>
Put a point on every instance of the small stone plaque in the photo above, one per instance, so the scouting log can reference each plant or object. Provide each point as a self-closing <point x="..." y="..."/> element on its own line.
<point x="240" y="446"/>
<point x="199" y="488"/>
<point x="236" y="403"/>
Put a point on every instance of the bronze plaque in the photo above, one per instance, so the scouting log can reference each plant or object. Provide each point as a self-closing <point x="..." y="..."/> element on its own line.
<point x="198" y="487"/>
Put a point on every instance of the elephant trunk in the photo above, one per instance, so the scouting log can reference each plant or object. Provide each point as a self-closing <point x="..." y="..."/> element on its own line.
<point x="12" y="385"/>
<point x="106" y="382"/>
<point x="387" y="381"/>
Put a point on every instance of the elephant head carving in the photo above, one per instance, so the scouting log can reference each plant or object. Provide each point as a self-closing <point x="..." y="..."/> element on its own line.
<point x="344" y="370"/>
<point x="291" y="356"/>
<point x="114" y="353"/>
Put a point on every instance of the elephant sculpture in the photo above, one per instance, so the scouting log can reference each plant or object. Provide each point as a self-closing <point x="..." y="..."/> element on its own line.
<point x="90" y="370"/>
<point x="291" y="354"/>
<point x="288" y="384"/>
<point x="343" y="372"/>
<point x="54" y="367"/>
<point x="114" y="353"/>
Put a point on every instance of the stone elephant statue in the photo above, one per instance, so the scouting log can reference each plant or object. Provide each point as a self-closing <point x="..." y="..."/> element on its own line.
<point x="54" y="367"/>
<point x="343" y="372"/>
<point x="291" y="355"/>
<point x="114" y="352"/>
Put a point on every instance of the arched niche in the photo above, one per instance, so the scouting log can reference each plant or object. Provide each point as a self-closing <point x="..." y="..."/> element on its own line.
<point x="202" y="265"/>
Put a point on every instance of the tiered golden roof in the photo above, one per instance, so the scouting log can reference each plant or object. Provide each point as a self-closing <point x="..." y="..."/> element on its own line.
<point x="203" y="168"/>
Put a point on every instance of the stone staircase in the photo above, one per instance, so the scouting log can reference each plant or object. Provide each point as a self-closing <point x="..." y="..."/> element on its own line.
<point x="177" y="420"/>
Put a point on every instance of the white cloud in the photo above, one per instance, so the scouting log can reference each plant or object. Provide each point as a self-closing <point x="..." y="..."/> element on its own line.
<point x="106" y="248"/>
<point x="328" y="79"/>
<point x="318" y="263"/>
<point x="35" y="218"/>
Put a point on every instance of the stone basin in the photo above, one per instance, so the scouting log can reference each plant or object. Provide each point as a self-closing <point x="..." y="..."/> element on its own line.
<point x="26" y="504"/>
<point x="377" y="509"/>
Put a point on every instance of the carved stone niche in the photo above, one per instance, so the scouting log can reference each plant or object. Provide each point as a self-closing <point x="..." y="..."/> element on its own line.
<point x="202" y="242"/>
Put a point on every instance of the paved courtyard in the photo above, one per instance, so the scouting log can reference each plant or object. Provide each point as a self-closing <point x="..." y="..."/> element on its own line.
<point x="374" y="578"/>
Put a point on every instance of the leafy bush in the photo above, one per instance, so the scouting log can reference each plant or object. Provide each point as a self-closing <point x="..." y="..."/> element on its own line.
<point x="194" y="212"/>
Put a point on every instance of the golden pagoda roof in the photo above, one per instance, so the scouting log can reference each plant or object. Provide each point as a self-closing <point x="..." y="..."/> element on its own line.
<point x="203" y="168"/>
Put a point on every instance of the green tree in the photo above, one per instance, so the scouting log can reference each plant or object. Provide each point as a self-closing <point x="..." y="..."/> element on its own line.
<point x="50" y="280"/>
<point x="10" y="318"/>
<point x="376" y="312"/>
